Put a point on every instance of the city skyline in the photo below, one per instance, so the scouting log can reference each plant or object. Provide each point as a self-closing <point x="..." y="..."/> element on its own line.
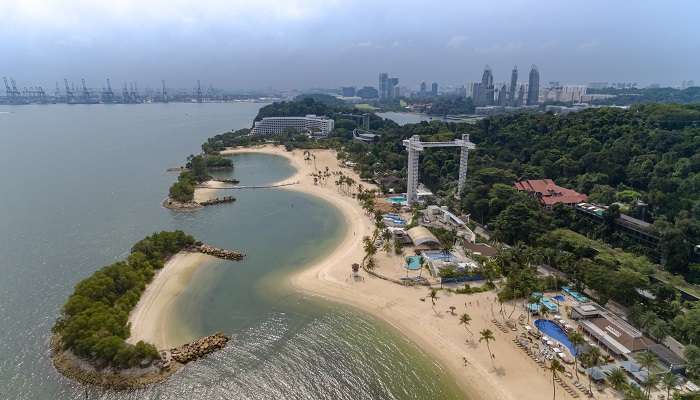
<point x="238" y="45"/>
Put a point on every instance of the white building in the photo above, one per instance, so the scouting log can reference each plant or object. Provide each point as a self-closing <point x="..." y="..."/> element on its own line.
<point x="309" y="124"/>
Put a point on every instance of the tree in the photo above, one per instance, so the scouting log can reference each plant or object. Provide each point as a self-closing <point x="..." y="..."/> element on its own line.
<point x="669" y="381"/>
<point x="432" y="294"/>
<point x="486" y="335"/>
<point x="692" y="355"/>
<point x="592" y="360"/>
<point x="576" y="339"/>
<point x="617" y="378"/>
<point x="555" y="367"/>
<point x="646" y="361"/>
<point x="465" y="319"/>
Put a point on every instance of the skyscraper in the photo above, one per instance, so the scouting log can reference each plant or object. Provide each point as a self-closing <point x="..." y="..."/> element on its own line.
<point x="434" y="89"/>
<point x="387" y="86"/>
<point x="392" y="90"/>
<point x="513" y="86"/>
<point x="533" y="87"/>
<point x="486" y="89"/>
<point x="383" y="86"/>
<point x="503" y="95"/>
<point x="423" y="88"/>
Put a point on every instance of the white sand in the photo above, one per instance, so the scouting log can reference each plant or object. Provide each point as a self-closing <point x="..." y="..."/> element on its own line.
<point x="512" y="375"/>
<point x="149" y="319"/>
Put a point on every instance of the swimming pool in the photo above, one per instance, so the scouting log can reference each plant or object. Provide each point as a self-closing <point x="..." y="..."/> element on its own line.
<point x="413" y="263"/>
<point x="555" y="332"/>
<point x="558" y="297"/>
<point x="576" y="295"/>
<point x="397" y="199"/>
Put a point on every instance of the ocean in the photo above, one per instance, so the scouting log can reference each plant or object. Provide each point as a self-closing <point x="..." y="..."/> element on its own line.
<point x="82" y="183"/>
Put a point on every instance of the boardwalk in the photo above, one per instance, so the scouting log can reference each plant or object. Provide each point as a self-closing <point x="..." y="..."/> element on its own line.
<point x="274" y="185"/>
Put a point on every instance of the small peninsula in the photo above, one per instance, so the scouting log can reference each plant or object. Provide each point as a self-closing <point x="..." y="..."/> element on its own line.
<point x="181" y="195"/>
<point x="90" y="340"/>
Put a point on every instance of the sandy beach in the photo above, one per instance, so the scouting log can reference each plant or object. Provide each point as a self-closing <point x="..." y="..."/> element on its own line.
<point x="511" y="375"/>
<point x="149" y="319"/>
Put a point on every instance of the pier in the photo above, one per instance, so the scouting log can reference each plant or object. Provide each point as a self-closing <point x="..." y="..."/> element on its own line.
<point x="239" y="187"/>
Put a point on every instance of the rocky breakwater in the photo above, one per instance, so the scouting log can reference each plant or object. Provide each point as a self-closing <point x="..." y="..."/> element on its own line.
<point x="219" y="252"/>
<point x="218" y="200"/>
<point x="198" y="348"/>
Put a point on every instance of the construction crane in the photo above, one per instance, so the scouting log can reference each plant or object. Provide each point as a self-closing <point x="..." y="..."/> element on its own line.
<point x="134" y="93"/>
<point x="107" y="93"/>
<point x="199" y="92"/>
<point x="125" y="94"/>
<point x="57" y="93"/>
<point x="69" y="92"/>
<point x="86" y="96"/>
<point x="164" y="93"/>
<point x="8" y="90"/>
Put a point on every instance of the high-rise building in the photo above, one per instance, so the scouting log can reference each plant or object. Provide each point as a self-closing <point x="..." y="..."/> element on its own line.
<point x="474" y="91"/>
<point x="486" y="89"/>
<point x="503" y="95"/>
<point x="533" y="87"/>
<point x="348" y="91"/>
<point x="513" y="86"/>
<point x="423" y="88"/>
<point x="434" y="89"/>
<point x="383" y="86"/>
<point x="387" y="86"/>
<point x="521" y="94"/>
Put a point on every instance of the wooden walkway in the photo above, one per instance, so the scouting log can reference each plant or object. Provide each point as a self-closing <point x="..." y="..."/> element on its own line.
<point x="275" y="185"/>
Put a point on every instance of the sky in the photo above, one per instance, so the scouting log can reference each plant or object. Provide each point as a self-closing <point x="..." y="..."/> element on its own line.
<point x="297" y="44"/>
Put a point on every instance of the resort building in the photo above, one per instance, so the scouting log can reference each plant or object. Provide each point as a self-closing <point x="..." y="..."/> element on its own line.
<point x="611" y="332"/>
<point x="310" y="124"/>
<point x="635" y="229"/>
<point x="548" y="193"/>
<point x="422" y="238"/>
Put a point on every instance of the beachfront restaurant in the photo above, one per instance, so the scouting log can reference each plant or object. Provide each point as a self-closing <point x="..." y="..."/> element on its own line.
<point x="615" y="335"/>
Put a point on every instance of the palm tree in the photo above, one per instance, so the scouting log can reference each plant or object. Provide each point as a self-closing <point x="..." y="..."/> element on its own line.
<point x="555" y="367"/>
<point x="650" y="383"/>
<point x="669" y="381"/>
<point x="544" y="311"/>
<point x="617" y="378"/>
<point x="593" y="360"/>
<point x="576" y="338"/>
<point x="433" y="298"/>
<point x="647" y="360"/>
<point x="465" y="319"/>
<point x="369" y="248"/>
<point x="487" y="336"/>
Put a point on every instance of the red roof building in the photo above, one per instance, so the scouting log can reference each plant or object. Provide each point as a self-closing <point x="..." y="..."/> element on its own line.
<point x="549" y="194"/>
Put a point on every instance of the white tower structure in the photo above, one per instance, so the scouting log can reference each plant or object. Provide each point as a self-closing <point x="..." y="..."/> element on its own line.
<point x="415" y="146"/>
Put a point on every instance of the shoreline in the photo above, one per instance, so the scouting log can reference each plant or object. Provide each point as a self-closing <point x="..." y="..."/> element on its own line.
<point x="149" y="319"/>
<point x="512" y="376"/>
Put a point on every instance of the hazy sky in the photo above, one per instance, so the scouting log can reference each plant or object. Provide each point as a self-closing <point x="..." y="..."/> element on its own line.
<point x="327" y="43"/>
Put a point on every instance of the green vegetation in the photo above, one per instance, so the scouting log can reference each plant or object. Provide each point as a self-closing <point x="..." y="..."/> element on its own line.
<point x="94" y="321"/>
<point x="198" y="168"/>
<point x="626" y="97"/>
<point x="451" y="105"/>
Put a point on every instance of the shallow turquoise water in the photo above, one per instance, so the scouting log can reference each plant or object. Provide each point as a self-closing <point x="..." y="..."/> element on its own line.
<point x="83" y="183"/>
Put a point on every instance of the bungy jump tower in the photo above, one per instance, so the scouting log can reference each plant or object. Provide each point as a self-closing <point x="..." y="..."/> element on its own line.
<point x="415" y="146"/>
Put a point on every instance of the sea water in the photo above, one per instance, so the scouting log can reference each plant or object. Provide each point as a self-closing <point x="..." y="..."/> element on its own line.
<point x="82" y="183"/>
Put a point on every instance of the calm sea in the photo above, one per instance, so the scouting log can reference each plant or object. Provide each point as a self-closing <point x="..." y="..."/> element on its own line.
<point x="82" y="183"/>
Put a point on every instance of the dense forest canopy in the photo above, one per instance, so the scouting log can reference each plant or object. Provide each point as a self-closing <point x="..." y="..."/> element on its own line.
<point x="94" y="321"/>
<point x="667" y="95"/>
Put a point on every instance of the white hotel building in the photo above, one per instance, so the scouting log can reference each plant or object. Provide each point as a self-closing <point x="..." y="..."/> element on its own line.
<point x="311" y="124"/>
